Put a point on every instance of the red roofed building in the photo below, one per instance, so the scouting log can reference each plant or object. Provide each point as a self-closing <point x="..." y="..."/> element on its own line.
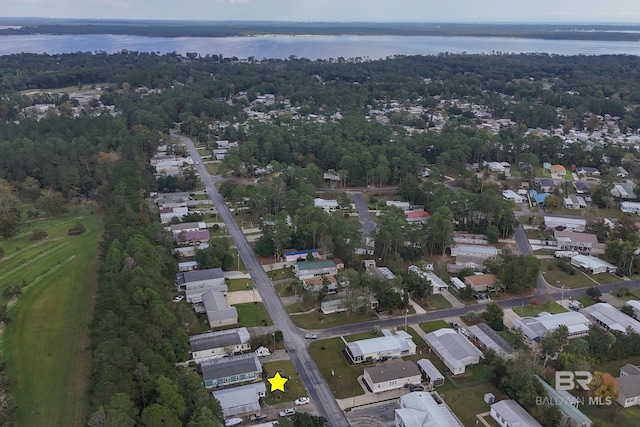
<point x="481" y="282"/>
<point x="416" y="216"/>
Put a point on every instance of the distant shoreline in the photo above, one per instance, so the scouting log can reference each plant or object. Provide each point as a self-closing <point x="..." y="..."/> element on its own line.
<point x="172" y="29"/>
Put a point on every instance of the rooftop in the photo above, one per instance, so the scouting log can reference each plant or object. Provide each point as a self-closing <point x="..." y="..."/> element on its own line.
<point x="313" y="265"/>
<point x="389" y="343"/>
<point x="451" y="345"/>
<point x="199" y="275"/>
<point x="219" y="339"/>
<point x="490" y="338"/>
<point x="229" y="366"/>
<point x="392" y="370"/>
<point x="514" y="414"/>
<point x="422" y="409"/>
<point x="611" y="317"/>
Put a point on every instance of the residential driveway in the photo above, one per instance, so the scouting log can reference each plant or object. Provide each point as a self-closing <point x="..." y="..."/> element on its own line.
<point x="239" y="297"/>
<point x="367" y="224"/>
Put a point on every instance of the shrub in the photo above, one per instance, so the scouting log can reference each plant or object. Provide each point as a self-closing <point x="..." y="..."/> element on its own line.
<point x="38" y="234"/>
<point x="76" y="229"/>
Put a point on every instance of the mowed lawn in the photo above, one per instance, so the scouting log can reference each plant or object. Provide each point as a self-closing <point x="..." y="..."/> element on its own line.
<point x="46" y="344"/>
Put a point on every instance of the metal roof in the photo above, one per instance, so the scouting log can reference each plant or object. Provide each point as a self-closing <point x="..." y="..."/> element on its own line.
<point x="422" y="409"/>
<point x="228" y="366"/>
<point x="514" y="414"/>
<point x="490" y="338"/>
<point x="240" y="400"/>
<point x="199" y="275"/>
<point x="451" y="346"/>
<point x="219" y="339"/>
<point x="611" y="317"/>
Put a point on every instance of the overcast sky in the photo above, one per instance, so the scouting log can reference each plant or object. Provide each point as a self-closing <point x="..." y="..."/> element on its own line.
<point x="627" y="11"/>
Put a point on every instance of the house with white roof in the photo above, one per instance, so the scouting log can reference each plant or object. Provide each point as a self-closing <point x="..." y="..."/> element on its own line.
<point x="405" y="206"/>
<point x="592" y="264"/>
<point x="214" y="345"/>
<point x="635" y="305"/>
<point x="571" y="224"/>
<point x="431" y="373"/>
<point x="241" y="401"/>
<point x="630" y="207"/>
<point x="391" y="375"/>
<point x="437" y="284"/>
<point x="573" y="201"/>
<point x="423" y="409"/>
<point x="508" y="413"/>
<point x="513" y="196"/>
<point x="454" y="349"/>
<point x="328" y="205"/>
<point x="608" y="317"/>
<point x="534" y="328"/>
<point x="496" y="167"/>
<point x="391" y="345"/>
<point x="475" y="251"/>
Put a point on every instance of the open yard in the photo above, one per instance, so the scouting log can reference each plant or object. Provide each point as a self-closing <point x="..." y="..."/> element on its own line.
<point x="293" y="388"/>
<point x="317" y="320"/>
<point x="240" y="285"/>
<point x="435" y="302"/>
<point x="329" y="358"/>
<point x="46" y="345"/>
<point x="284" y="273"/>
<point x="252" y="314"/>
<point x="557" y="277"/>
<point x="433" y="326"/>
<point x="534" y="310"/>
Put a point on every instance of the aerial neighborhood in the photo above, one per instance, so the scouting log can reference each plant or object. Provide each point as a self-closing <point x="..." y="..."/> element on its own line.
<point x="407" y="242"/>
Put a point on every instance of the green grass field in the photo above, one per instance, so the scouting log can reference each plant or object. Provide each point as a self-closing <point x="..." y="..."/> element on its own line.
<point x="557" y="277"/>
<point x="534" y="310"/>
<point x="318" y="320"/>
<point x="253" y="314"/>
<point x="433" y="326"/>
<point x="293" y="388"/>
<point x="47" y="343"/>
<point x="329" y="358"/>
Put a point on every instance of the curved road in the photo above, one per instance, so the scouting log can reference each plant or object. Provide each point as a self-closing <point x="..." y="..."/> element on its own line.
<point x="316" y="386"/>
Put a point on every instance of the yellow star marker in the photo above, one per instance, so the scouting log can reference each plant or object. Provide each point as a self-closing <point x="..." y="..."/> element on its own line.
<point x="277" y="382"/>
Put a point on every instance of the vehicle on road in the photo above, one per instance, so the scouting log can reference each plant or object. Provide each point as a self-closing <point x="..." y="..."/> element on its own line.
<point x="310" y="336"/>
<point x="287" y="412"/>
<point x="232" y="422"/>
<point x="302" y="400"/>
<point x="178" y="298"/>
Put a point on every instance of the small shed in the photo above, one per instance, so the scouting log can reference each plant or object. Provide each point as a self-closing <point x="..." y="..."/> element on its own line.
<point x="432" y="374"/>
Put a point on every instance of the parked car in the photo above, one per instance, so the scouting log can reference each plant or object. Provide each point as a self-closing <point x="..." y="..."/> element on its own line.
<point x="416" y="388"/>
<point x="257" y="417"/>
<point x="287" y="412"/>
<point x="310" y="336"/>
<point x="232" y="422"/>
<point x="302" y="401"/>
<point x="178" y="298"/>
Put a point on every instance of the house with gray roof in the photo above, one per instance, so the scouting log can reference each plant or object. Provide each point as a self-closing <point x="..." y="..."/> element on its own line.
<point x="391" y="375"/>
<point x="214" y="345"/>
<point x="197" y="282"/>
<point x="241" y="401"/>
<point x="486" y="338"/>
<point x="454" y="349"/>
<point x="629" y="386"/>
<point x="231" y="370"/>
<point x="610" y="318"/>
<point x="309" y="269"/>
<point x="219" y="312"/>
<point x="391" y="345"/>
<point x="432" y="374"/>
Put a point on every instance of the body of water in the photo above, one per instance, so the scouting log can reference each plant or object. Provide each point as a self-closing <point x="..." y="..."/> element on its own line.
<point x="312" y="47"/>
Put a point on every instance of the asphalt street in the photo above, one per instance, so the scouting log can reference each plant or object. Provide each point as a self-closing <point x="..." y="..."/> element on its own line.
<point x="317" y="388"/>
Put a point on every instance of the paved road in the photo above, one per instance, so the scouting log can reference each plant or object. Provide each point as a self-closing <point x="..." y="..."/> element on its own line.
<point x="451" y="312"/>
<point x="366" y="222"/>
<point x="317" y="388"/>
<point x="542" y="286"/>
